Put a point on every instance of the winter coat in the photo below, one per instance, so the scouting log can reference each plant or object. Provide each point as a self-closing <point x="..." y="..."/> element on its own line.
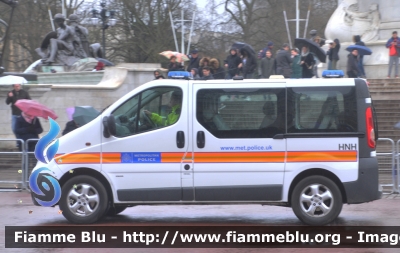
<point x="233" y="62"/>
<point x="297" y="70"/>
<point x="194" y="63"/>
<point x="209" y="77"/>
<point x="25" y="130"/>
<point x="283" y="60"/>
<point x="352" y="64"/>
<point x="174" y="66"/>
<point x="267" y="67"/>
<point x="203" y="64"/>
<point x="160" y="72"/>
<point x="357" y="40"/>
<point x="70" y="126"/>
<point x="21" y="94"/>
<point x="307" y="67"/>
<point x="389" y="44"/>
<point x="249" y="62"/>
<point x="217" y="70"/>
<point x="196" y="75"/>
<point x="333" y="53"/>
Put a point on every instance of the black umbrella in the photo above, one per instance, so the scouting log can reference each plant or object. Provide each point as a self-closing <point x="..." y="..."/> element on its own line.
<point x="314" y="48"/>
<point x="106" y="62"/>
<point x="240" y="45"/>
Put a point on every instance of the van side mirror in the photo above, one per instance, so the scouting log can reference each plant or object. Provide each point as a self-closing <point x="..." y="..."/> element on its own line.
<point x="109" y="126"/>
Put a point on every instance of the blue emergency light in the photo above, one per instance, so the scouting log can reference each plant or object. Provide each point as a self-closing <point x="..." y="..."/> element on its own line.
<point x="179" y="75"/>
<point x="333" y="73"/>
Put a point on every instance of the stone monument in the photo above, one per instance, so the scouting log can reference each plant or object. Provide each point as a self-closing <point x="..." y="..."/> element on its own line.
<point x="63" y="50"/>
<point x="374" y="21"/>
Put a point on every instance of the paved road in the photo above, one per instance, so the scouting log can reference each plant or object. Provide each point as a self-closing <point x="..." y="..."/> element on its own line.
<point x="17" y="205"/>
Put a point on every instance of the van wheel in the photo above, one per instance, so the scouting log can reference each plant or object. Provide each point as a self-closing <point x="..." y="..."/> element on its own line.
<point x="114" y="210"/>
<point x="316" y="200"/>
<point x="83" y="200"/>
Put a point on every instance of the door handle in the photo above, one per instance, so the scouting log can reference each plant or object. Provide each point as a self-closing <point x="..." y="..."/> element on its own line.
<point x="180" y="139"/>
<point x="201" y="139"/>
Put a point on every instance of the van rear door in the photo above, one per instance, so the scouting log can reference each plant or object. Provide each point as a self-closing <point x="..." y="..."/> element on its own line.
<point x="235" y="155"/>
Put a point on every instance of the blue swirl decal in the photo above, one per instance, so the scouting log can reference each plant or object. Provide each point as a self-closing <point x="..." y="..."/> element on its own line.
<point x="45" y="140"/>
<point x="45" y="188"/>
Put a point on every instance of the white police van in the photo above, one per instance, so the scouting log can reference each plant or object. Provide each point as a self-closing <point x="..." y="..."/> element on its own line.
<point x="309" y="144"/>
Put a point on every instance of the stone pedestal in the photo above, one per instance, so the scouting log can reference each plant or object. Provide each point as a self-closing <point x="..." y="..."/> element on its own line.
<point x="343" y="26"/>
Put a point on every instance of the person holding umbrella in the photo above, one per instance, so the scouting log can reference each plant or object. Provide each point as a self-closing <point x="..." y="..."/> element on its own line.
<point x="13" y="96"/>
<point x="28" y="127"/>
<point x="352" y="64"/>
<point x="307" y="62"/>
<point x="173" y="65"/>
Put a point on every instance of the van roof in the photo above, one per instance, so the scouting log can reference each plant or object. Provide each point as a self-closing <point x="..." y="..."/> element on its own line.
<point x="289" y="82"/>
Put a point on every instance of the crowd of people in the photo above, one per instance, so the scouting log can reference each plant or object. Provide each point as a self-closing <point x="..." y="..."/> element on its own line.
<point x="290" y="63"/>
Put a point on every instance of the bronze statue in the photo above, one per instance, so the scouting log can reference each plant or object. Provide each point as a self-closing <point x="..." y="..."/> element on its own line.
<point x="60" y="47"/>
<point x="68" y="44"/>
<point x="65" y="39"/>
<point x="81" y="37"/>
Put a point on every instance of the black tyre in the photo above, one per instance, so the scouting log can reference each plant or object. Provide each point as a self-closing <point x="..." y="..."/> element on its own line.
<point x="84" y="200"/>
<point x="114" y="210"/>
<point x="316" y="200"/>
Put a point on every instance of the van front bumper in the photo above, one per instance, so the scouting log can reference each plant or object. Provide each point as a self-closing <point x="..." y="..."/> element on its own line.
<point x="366" y="187"/>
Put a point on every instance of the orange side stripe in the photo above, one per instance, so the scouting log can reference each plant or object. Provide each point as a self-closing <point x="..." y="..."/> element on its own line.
<point x="111" y="157"/>
<point x="78" y="158"/>
<point x="243" y="157"/>
<point x="219" y="157"/>
<point x="322" y="156"/>
<point x="171" y="157"/>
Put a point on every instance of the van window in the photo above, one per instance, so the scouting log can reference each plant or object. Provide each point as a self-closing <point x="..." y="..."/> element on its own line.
<point x="322" y="109"/>
<point x="151" y="109"/>
<point x="241" y="113"/>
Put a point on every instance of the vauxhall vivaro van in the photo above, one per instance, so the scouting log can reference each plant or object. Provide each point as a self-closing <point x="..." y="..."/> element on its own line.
<point x="309" y="144"/>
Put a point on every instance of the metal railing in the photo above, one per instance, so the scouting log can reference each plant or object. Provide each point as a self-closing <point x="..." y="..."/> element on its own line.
<point x="27" y="153"/>
<point x="23" y="181"/>
<point x="392" y="159"/>
<point x="392" y="155"/>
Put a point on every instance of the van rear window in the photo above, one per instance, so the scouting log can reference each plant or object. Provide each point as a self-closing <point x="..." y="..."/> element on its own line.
<point x="242" y="113"/>
<point x="321" y="109"/>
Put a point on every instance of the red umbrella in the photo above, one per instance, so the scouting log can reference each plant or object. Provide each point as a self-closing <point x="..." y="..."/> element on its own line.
<point x="35" y="108"/>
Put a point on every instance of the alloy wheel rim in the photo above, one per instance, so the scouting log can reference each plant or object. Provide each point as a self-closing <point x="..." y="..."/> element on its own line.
<point x="83" y="200"/>
<point x="316" y="200"/>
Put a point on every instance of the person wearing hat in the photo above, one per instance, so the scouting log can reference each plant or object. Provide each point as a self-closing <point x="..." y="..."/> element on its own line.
<point x="194" y="60"/>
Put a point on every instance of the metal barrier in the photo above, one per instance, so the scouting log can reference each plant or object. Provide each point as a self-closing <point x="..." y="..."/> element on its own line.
<point x="393" y="167"/>
<point x="26" y="158"/>
<point x="23" y="174"/>
<point x="396" y="176"/>
<point x="394" y="163"/>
